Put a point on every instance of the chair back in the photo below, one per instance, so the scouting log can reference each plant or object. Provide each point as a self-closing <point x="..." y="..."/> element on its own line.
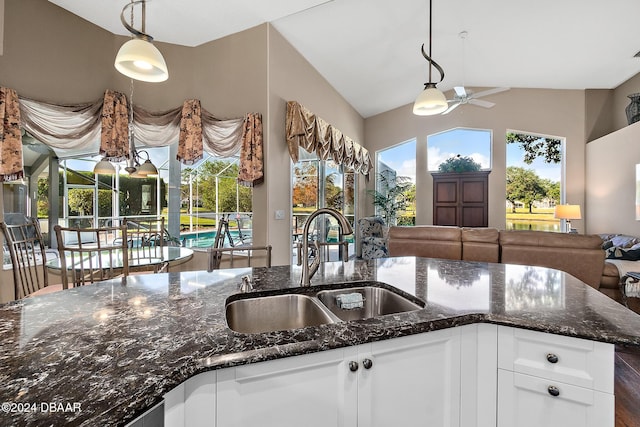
<point x="28" y="256"/>
<point x="89" y="255"/>
<point x="243" y="254"/>
<point x="146" y="238"/>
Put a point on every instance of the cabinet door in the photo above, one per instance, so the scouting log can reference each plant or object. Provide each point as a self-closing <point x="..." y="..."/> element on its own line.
<point x="316" y="389"/>
<point x="412" y="381"/>
<point x="526" y="401"/>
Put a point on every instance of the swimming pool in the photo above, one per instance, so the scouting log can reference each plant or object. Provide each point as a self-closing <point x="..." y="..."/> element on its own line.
<point x="205" y="239"/>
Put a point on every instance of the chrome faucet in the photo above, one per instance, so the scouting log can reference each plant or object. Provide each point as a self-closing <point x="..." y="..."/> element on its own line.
<point x="308" y="270"/>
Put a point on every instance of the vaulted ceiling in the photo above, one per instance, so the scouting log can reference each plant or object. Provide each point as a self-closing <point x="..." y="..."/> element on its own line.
<point x="369" y="50"/>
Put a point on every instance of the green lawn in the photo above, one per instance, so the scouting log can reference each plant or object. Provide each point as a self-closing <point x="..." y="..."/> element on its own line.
<point x="536" y="214"/>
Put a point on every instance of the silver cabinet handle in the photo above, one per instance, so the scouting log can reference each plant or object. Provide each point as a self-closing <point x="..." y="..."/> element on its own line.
<point x="553" y="391"/>
<point x="367" y="363"/>
<point x="353" y="366"/>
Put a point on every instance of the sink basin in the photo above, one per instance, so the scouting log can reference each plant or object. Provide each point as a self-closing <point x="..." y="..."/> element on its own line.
<point x="377" y="302"/>
<point x="276" y="313"/>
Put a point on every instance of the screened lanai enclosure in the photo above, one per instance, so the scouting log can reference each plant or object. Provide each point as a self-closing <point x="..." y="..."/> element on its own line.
<point x="93" y="164"/>
<point x="209" y="192"/>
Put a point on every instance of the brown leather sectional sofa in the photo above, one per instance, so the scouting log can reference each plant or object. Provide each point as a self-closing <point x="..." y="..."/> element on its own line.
<point x="579" y="255"/>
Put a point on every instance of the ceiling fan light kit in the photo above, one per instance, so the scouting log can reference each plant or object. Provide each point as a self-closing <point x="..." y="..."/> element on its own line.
<point x="431" y="100"/>
<point x="138" y="58"/>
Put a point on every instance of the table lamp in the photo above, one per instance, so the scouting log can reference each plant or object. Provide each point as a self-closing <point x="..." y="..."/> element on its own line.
<point x="567" y="212"/>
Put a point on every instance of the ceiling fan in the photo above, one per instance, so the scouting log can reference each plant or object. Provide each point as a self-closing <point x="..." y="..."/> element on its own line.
<point x="464" y="96"/>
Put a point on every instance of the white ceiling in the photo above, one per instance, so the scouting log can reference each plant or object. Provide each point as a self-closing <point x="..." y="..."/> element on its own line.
<point x="369" y="50"/>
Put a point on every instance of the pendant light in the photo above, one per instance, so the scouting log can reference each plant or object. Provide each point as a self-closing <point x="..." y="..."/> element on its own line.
<point x="104" y="167"/>
<point x="431" y="101"/>
<point x="138" y="58"/>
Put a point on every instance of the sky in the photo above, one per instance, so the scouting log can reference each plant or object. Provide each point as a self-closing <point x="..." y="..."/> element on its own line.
<point x="474" y="143"/>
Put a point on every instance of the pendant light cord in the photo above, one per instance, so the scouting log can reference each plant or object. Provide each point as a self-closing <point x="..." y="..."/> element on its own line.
<point x="430" y="28"/>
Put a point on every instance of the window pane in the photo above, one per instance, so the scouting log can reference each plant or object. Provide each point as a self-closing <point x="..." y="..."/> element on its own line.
<point x="474" y="143"/>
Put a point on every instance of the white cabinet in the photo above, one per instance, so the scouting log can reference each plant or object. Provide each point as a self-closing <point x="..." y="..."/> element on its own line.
<point x="312" y="390"/>
<point x="192" y="403"/>
<point x="546" y="379"/>
<point x="479" y="375"/>
<point x="403" y="381"/>
<point x="413" y="380"/>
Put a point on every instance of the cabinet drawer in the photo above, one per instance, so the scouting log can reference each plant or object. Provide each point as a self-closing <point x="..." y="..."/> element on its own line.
<point x="570" y="360"/>
<point x="526" y="401"/>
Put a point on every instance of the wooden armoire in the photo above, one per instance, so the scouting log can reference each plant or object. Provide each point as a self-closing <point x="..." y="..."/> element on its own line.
<point x="461" y="199"/>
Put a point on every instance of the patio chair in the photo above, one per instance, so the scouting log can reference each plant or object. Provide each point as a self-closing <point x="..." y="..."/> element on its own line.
<point x="89" y="255"/>
<point x="28" y="257"/>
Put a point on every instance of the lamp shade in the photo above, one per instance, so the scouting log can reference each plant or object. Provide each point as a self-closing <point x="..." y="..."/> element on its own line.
<point x="430" y="102"/>
<point x="147" y="169"/>
<point x="567" y="212"/>
<point x="104" y="167"/>
<point x="141" y="60"/>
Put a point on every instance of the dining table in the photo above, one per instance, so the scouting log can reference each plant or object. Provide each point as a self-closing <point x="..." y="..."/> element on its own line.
<point x="145" y="257"/>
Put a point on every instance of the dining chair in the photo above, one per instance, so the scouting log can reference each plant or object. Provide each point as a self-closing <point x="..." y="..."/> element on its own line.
<point x="146" y="238"/>
<point x="28" y="258"/>
<point x="89" y="255"/>
<point x="236" y="253"/>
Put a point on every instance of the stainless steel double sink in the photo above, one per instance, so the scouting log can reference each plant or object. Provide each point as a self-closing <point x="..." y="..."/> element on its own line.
<point x="299" y="309"/>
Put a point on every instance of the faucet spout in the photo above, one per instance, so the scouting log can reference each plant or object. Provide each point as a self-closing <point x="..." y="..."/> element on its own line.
<point x="308" y="270"/>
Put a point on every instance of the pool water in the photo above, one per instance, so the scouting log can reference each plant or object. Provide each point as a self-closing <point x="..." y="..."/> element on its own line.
<point x="207" y="238"/>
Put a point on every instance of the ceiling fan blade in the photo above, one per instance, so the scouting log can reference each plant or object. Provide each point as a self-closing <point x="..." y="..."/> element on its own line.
<point x="450" y="109"/>
<point x="460" y="91"/>
<point x="481" y="103"/>
<point x="490" y="92"/>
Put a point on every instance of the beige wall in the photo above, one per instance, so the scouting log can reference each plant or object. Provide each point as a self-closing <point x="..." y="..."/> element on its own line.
<point x="559" y="113"/>
<point x="611" y="182"/>
<point x="52" y="55"/>
<point x="292" y="78"/>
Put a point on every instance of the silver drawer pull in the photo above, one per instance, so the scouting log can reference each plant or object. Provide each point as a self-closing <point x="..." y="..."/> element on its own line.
<point x="353" y="366"/>
<point x="553" y="391"/>
<point x="552" y="358"/>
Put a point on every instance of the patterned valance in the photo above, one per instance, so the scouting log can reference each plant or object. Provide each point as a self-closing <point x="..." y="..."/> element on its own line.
<point x="114" y="135"/>
<point x="306" y="130"/>
<point x="10" y="136"/>
<point x="102" y="126"/>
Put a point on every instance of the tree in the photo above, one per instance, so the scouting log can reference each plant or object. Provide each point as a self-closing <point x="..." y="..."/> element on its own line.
<point x="305" y="184"/>
<point x="80" y="202"/>
<point x="551" y="190"/>
<point x="391" y="196"/>
<point x="459" y="164"/>
<point x="534" y="146"/>
<point x="523" y="185"/>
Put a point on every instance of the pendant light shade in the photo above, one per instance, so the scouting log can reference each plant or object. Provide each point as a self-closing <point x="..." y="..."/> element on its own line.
<point x="147" y="169"/>
<point x="138" y="58"/>
<point x="141" y="60"/>
<point x="431" y="101"/>
<point x="104" y="167"/>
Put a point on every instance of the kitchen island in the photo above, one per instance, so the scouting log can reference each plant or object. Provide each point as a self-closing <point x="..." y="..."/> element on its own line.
<point x="106" y="353"/>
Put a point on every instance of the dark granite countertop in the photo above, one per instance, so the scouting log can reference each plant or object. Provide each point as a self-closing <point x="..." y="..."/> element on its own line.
<point x="105" y="353"/>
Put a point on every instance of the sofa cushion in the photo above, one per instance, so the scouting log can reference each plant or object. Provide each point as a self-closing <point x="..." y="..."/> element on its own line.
<point x="480" y="244"/>
<point x="426" y="241"/>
